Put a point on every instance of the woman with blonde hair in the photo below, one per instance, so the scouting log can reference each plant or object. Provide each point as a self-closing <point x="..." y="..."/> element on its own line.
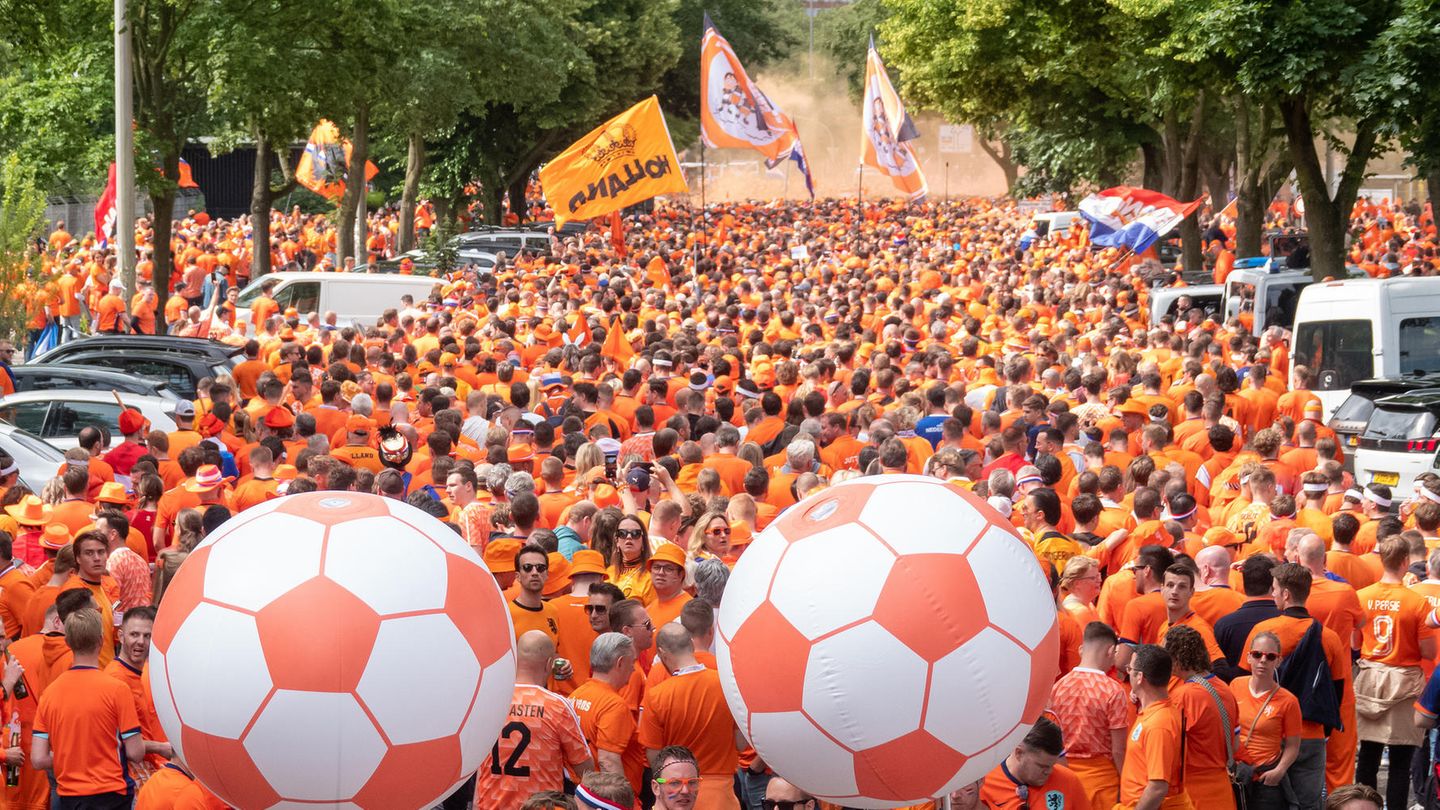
<point x="1079" y="587"/>
<point x="710" y="539"/>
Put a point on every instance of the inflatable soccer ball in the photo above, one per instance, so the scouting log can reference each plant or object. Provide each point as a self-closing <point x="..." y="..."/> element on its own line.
<point x="335" y="649"/>
<point x="886" y="641"/>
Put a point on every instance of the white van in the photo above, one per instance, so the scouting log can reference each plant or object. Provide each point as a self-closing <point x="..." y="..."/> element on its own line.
<point x="1271" y="295"/>
<point x="1361" y="328"/>
<point x="1051" y="225"/>
<point x="357" y="298"/>
<point x="1166" y="301"/>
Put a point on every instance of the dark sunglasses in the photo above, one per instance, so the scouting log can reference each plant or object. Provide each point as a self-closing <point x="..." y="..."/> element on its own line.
<point x="1256" y="655"/>
<point x="630" y="534"/>
<point x="777" y="804"/>
<point x="596" y="609"/>
<point x="534" y="567"/>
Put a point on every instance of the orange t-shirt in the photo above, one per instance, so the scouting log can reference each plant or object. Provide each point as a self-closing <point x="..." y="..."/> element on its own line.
<point x="609" y="726"/>
<point x="1279" y="721"/>
<point x="1062" y="789"/>
<point x="689" y="709"/>
<point x="83" y="713"/>
<point x="1290" y="628"/>
<point x="540" y="738"/>
<point x="1144" y="616"/>
<point x="1152" y="752"/>
<point x="665" y="611"/>
<point x="1350" y="567"/>
<point x="542" y="618"/>
<point x="1394" y="624"/>
<point x="171" y="788"/>
<point x="144" y="705"/>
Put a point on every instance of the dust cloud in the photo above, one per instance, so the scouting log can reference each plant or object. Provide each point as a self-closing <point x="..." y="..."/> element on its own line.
<point x="829" y="123"/>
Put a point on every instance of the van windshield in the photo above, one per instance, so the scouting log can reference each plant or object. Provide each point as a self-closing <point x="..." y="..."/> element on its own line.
<point x="250" y="293"/>
<point x="1338" y="351"/>
<point x="1419" y="345"/>
<point x="1388" y="423"/>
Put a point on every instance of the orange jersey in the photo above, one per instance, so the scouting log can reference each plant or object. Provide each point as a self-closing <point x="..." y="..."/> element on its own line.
<point x="1153" y="753"/>
<point x="1089" y="705"/>
<point x="541" y="737"/>
<point x="1394" y="624"/>
<point x="1063" y="789"/>
<point x="608" y="725"/>
<point x="1263" y="732"/>
<point x="689" y="709"/>
<point x="83" y="714"/>
<point x="173" y="788"/>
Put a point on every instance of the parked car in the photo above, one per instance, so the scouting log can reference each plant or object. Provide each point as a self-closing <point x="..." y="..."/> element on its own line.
<point x="63" y="376"/>
<point x="179" y="362"/>
<point x="1349" y="419"/>
<point x="1400" y="441"/>
<point x="57" y="417"/>
<point x="38" y="461"/>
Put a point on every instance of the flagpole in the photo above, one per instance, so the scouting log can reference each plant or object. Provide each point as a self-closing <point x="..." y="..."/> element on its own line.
<point x="125" y="156"/>
<point x="704" y="212"/>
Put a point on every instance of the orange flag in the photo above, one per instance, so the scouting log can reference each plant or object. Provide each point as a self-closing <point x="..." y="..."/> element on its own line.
<point x="325" y="162"/>
<point x="657" y="272"/>
<point x="624" y="161"/>
<point x="579" y="334"/>
<point x="616" y="345"/>
<point x="886" y="129"/>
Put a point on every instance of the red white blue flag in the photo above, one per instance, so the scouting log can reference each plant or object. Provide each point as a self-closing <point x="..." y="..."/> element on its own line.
<point x="1133" y="218"/>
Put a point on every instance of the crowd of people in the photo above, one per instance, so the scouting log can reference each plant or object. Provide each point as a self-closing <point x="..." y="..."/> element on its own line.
<point x="611" y="424"/>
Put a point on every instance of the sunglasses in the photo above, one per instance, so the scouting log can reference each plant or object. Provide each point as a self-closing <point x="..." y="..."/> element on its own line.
<point x="777" y="804"/>
<point x="717" y="532"/>
<point x="647" y="624"/>
<point x="534" y="567"/>
<point x="596" y="609"/>
<point x="677" y="785"/>
<point x="1256" y="655"/>
<point x="630" y="534"/>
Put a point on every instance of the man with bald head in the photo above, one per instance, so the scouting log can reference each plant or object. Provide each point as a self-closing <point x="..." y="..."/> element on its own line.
<point x="782" y="795"/>
<point x="1213" y="595"/>
<point x="541" y="735"/>
<point x="689" y="709"/>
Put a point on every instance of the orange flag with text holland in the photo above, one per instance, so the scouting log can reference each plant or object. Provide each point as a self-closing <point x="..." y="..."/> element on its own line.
<point x="886" y="128"/>
<point x="624" y="161"/>
<point x="325" y="162"/>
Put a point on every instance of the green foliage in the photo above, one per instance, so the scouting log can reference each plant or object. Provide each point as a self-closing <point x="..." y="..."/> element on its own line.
<point x="22" y="212"/>
<point x="843" y="34"/>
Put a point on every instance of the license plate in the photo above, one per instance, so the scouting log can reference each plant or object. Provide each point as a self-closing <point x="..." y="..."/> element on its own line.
<point x="1388" y="479"/>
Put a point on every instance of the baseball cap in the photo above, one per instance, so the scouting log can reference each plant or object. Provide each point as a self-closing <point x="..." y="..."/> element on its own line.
<point x="185" y="409"/>
<point x="359" y="424"/>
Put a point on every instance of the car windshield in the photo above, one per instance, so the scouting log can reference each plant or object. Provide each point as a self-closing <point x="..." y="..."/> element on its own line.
<point x="1355" y="408"/>
<point x="1399" y="423"/>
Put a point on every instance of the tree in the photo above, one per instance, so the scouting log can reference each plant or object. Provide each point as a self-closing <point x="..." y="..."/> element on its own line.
<point x="251" y="101"/>
<point x="54" y="114"/>
<point x="1320" y="67"/>
<point x="22" y="213"/>
<point x="619" y="50"/>
<point x="843" y="34"/>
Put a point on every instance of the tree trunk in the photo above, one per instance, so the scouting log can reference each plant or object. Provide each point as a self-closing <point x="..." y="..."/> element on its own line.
<point x="354" y="188"/>
<point x="162" y="209"/>
<point x="1432" y="190"/>
<point x="414" y="168"/>
<point x="1189" y="187"/>
<point x="1326" y="215"/>
<point x="518" y="205"/>
<point x="261" y="199"/>
<point x="1151" y="175"/>
<point x="1003" y="156"/>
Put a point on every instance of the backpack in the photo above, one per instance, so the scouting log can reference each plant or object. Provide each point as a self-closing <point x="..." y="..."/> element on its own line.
<point x="781" y="440"/>
<point x="1306" y="673"/>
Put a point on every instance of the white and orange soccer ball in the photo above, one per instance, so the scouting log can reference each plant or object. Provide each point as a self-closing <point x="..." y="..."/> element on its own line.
<point x="886" y="641"/>
<point x="332" y="649"/>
